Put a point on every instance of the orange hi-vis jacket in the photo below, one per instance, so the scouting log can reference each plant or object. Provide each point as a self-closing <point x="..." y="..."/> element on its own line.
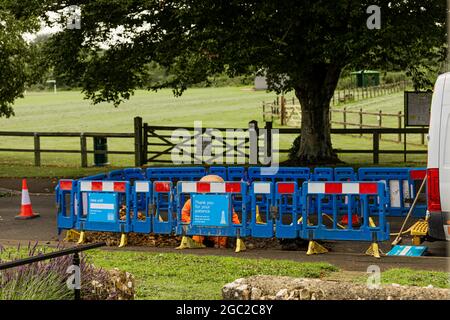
<point x="186" y="218"/>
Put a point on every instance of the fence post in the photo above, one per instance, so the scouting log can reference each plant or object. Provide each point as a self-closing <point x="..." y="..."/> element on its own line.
<point x="380" y="120"/>
<point x="283" y="111"/>
<point x="138" y="157"/>
<point x="360" y="120"/>
<point x="37" y="150"/>
<point x="83" y="150"/>
<point x="399" y="126"/>
<point x="344" y="113"/>
<point x="268" y="142"/>
<point x="376" y="147"/>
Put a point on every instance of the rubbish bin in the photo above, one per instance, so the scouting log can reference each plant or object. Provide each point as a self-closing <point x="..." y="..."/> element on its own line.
<point x="100" y="144"/>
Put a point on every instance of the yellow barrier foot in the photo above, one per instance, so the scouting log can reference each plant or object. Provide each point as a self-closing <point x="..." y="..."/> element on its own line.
<point x="188" y="243"/>
<point x="123" y="240"/>
<point x="240" y="245"/>
<point x="71" y="235"/>
<point x="259" y="220"/>
<point x="82" y="238"/>
<point x="374" y="250"/>
<point x="315" y="248"/>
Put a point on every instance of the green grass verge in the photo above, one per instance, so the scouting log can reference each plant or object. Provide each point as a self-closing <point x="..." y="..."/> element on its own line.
<point x="421" y="278"/>
<point x="186" y="277"/>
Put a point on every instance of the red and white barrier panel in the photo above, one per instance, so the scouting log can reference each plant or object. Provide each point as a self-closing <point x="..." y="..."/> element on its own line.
<point x="103" y="186"/>
<point x="142" y="186"/>
<point x="261" y="187"/>
<point x="66" y="184"/>
<point x="342" y="188"/>
<point x="162" y="186"/>
<point x="210" y="187"/>
<point x="285" y="187"/>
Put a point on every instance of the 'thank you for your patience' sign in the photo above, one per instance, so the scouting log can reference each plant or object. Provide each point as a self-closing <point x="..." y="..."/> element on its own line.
<point x="211" y="210"/>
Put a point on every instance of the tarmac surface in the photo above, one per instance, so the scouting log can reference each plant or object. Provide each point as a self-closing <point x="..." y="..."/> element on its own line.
<point x="345" y="255"/>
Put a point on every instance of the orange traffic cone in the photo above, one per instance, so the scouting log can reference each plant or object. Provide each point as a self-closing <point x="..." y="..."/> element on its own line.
<point x="26" y="211"/>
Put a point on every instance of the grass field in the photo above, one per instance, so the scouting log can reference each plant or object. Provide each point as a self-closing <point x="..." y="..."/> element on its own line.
<point x="215" y="107"/>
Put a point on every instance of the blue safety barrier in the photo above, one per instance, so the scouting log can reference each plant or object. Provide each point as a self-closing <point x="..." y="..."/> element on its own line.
<point x="101" y="176"/>
<point x="397" y="184"/>
<point x="322" y="174"/>
<point x="218" y="171"/>
<point x="295" y="174"/>
<point x="141" y="219"/>
<point x="267" y="206"/>
<point x="370" y="194"/>
<point x="345" y="174"/>
<point x="115" y="175"/>
<point x="236" y="174"/>
<point x="175" y="174"/>
<point x="289" y="210"/>
<point x="164" y="221"/>
<point x="212" y="208"/>
<point x="66" y="204"/>
<point x="99" y="206"/>
<point x="262" y="201"/>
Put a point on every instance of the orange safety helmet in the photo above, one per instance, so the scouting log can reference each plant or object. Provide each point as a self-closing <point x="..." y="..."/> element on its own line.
<point x="212" y="178"/>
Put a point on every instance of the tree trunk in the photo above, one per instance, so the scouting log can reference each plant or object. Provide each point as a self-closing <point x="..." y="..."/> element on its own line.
<point x="315" y="92"/>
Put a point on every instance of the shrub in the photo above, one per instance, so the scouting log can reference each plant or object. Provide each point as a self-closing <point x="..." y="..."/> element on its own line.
<point x="46" y="280"/>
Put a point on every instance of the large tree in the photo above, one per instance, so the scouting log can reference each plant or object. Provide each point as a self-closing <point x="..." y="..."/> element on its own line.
<point x="19" y="57"/>
<point x="300" y="45"/>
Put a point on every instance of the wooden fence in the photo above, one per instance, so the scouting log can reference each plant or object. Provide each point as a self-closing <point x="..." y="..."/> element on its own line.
<point x="83" y="151"/>
<point x="145" y="151"/>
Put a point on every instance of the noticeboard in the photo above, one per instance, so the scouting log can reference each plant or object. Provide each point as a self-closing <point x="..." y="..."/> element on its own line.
<point x="417" y="108"/>
<point x="211" y="210"/>
<point x="102" y="207"/>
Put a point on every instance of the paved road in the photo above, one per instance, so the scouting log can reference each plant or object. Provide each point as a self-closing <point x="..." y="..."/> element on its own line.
<point x="346" y="255"/>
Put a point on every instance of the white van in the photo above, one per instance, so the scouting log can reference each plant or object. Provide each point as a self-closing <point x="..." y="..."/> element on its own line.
<point x="438" y="168"/>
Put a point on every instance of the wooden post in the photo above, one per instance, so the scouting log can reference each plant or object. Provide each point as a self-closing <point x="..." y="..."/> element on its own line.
<point x="344" y="113"/>
<point x="138" y="157"/>
<point x="380" y="120"/>
<point x="399" y="139"/>
<point x="268" y="142"/>
<point x="376" y="147"/>
<point x="37" y="150"/>
<point x="83" y="150"/>
<point x="360" y="119"/>
<point x="283" y="111"/>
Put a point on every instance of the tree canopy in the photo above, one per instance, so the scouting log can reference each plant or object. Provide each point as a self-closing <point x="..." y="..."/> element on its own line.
<point x="300" y="45"/>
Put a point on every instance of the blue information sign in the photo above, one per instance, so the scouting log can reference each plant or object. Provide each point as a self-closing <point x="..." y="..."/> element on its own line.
<point x="211" y="210"/>
<point x="407" y="251"/>
<point x="102" y="207"/>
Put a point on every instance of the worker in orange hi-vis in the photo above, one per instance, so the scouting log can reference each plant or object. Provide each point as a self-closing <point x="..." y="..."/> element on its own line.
<point x="220" y="242"/>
